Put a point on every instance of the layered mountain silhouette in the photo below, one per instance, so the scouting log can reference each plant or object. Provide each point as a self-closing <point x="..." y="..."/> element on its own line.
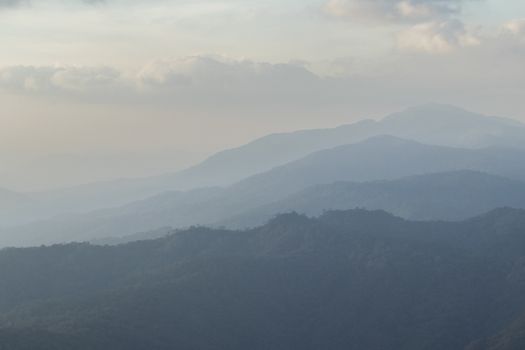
<point x="378" y="158"/>
<point x="401" y="233"/>
<point x="455" y="195"/>
<point x="434" y="124"/>
<point x="347" y="280"/>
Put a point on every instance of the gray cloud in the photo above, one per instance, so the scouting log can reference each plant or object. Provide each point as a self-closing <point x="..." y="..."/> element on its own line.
<point x="515" y="27"/>
<point x="192" y="81"/>
<point x="217" y="86"/>
<point x="15" y="3"/>
<point x="60" y="80"/>
<point x="430" y="26"/>
<point x="12" y="3"/>
<point x="436" y="37"/>
<point x="208" y="81"/>
<point x="206" y="72"/>
<point x="409" y="11"/>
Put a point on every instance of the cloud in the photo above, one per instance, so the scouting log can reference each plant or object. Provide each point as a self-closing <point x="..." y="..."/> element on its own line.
<point x="428" y="26"/>
<point x="405" y="11"/>
<point x="12" y="3"/>
<point x="515" y="26"/>
<point x="15" y="3"/>
<point x="208" y="72"/>
<point x="53" y="80"/>
<point x="436" y="37"/>
<point x="216" y="86"/>
<point x="196" y="80"/>
<point x="207" y="80"/>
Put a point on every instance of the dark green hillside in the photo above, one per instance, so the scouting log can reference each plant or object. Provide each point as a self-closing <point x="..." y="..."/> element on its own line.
<point x="347" y="280"/>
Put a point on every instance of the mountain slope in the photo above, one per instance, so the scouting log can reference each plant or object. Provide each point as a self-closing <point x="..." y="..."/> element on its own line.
<point x="455" y="195"/>
<point x="347" y="280"/>
<point x="432" y="123"/>
<point x="378" y="158"/>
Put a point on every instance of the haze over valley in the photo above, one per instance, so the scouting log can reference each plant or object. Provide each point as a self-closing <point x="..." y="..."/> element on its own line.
<point x="314" y="174"/>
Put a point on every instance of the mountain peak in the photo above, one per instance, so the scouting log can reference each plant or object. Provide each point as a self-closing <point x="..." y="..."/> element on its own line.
<point x="359" y="215"/>
<point x="287" y="219"/>
<point x="447" y="116"/>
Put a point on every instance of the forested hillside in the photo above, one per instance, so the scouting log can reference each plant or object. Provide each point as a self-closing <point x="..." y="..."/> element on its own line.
<point x="347" y="280"/>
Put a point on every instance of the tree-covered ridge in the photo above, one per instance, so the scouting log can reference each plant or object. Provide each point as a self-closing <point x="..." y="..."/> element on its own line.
<point x="346" y="280"/>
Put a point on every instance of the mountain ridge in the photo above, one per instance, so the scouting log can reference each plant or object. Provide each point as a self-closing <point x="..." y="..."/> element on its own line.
<point x="230" y="166"/>
<point x="379" y="158"/>
<point x="349" y="279"/>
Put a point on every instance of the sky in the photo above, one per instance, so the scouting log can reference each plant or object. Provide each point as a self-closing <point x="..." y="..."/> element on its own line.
<point x="98" y="89"/>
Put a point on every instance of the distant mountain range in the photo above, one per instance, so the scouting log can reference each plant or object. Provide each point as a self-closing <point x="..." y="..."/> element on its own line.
<point x="432" y="124"/>
<point x="250" y="201"/>
<point x="455" y="195"/>
<point x="404" y="233"/>
<point x="378" y="158"/>
<point x="347" y="280"/>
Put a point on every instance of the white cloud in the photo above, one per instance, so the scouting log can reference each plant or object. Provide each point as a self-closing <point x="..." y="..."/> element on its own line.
<point x="427" y="26"/>
<point x="207" y="81"/>
<point x="392" y="10"/>
<point x="436" y="37"/>
<point x="515" y="27"/>
<point x="210" y="72"/>
<point x="408" y="9"/>
<point x="196" y="80"/>
<point x="53" y="80"/>
<point x="213" y="81"/>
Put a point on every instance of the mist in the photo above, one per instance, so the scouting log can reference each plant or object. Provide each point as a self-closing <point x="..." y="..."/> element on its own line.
<point x="313" y="174"/>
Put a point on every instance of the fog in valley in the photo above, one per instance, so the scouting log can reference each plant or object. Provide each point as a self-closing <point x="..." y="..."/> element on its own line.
<point x="316" y="174"/>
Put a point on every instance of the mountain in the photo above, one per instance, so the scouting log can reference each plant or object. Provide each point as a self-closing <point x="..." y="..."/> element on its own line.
<point x="140" y="236"/>
<point x="451" y="126"/>
<point x="434" y="124"/>
<point x="347" y="280"/>
<point x="177" y="209"/>
<point x="379" y="158"/>
<point x="455" y="195"/>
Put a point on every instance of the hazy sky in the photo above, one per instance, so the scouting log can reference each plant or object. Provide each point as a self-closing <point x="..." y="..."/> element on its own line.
<point x="160" y="83"/>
